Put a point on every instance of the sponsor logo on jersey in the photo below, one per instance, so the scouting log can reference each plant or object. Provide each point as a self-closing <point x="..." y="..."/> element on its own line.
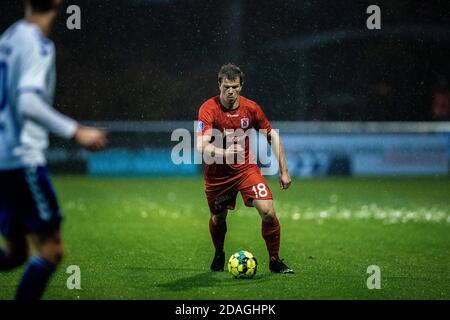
<point x="200" y="126"/>
<point x="245" y="123"/>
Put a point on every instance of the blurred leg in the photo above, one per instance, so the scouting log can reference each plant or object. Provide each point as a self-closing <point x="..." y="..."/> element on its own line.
<point x="41" y="267"/>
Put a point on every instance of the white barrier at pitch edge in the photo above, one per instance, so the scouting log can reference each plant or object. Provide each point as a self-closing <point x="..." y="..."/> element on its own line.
<point x="329" y="148"/>
<point x="287" y="126"/>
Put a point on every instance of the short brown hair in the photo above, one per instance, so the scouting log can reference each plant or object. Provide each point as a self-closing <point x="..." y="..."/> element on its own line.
<point x="231" y="72"/>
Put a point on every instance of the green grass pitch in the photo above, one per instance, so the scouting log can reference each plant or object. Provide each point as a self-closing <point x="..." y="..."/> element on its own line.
<point x="148" y="239"/>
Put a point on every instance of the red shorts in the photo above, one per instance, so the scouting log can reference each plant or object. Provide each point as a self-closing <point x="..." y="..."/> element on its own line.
<point x="250" y="183"/>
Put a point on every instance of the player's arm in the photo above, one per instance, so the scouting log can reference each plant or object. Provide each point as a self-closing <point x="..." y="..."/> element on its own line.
<point x="34" y="107"/>
<point x="35" y="67"/>
<point x="205" y="133"/>
<point x="261" y="122"/>
<point x="205" y="146"/>
<point x="274" y="139"/>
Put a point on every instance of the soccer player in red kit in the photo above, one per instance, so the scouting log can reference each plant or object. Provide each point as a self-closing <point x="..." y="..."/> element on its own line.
<point x="224" y="179"/>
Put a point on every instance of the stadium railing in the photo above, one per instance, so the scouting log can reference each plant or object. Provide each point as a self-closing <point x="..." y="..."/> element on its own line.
<point x="312" y="149"/>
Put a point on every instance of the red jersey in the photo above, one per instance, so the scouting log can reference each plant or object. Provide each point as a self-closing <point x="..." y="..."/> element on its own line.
<point x="212" y="115"/>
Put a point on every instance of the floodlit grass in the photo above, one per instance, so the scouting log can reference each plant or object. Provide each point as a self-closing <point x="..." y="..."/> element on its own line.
<point x="149" y="239"/>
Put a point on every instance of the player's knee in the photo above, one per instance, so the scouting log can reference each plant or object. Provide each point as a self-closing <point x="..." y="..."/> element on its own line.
<point x="57" y="255"/>
<point x="53" y="254"/>
<point x="268" y="210"/>
<point x="50" y="247"/>
<point x="269" y="216"/>
<point x="218" y="221"/>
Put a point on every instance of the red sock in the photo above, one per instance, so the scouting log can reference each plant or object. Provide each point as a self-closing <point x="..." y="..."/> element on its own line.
<point x="218" y="234"/>
<point x="271" y="234"/>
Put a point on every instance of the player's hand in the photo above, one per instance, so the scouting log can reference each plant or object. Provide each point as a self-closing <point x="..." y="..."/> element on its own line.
<point x="235" y="150"/>
<point x="285" y="180"/>
<point x="92" y="139"/>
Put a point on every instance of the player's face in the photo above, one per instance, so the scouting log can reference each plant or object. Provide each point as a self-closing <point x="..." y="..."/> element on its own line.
<point x="230" y="91"/>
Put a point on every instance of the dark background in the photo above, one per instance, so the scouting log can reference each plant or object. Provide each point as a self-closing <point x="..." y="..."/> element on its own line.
<point x="304" y="60"/>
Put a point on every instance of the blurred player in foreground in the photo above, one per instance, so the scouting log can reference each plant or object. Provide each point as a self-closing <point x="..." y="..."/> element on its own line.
<point x="28" y="204"/>
<point x="231" y="111"/>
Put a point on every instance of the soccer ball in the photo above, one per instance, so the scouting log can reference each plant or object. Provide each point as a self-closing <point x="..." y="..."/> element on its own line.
<point x="242" y="264"/>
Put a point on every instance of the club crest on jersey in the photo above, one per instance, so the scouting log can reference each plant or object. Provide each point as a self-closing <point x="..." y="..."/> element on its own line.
<point x="245" y="123"/>
<point x="200" y="126"/>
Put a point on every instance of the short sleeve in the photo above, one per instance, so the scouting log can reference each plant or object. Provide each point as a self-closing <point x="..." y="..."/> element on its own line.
<point x="37" y="61"/>
<point x="261" y="121"/>
<point x="205" y="120"/>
